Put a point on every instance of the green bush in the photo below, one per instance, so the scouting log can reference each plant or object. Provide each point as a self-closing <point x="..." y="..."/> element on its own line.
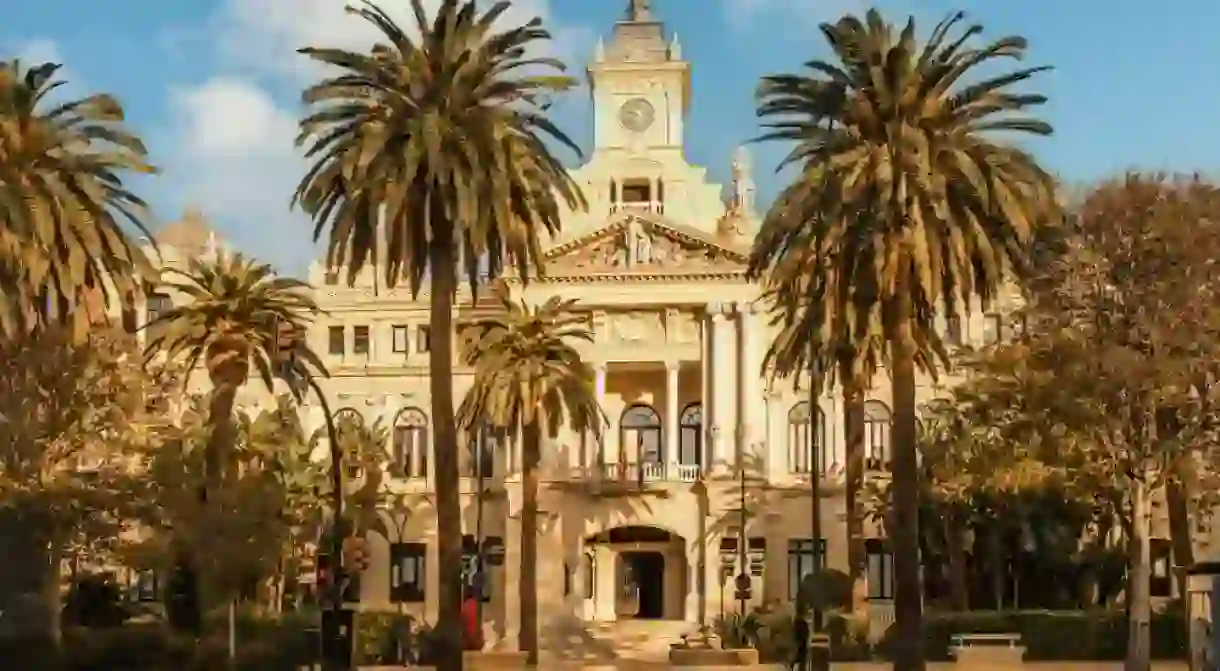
<point x="1099" y="635"/>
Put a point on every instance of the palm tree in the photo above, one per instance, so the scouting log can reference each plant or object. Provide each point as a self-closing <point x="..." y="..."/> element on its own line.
<point x="909" y="203"/>
<point x="234" y="314"/>
<point x="429" y="153"/>
<point x="530" y="379"/>
<point x="64" y="253"/>
<point x="232" y="318"/>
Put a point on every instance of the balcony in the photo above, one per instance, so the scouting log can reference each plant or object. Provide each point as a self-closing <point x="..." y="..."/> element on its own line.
<point x="646" y="472"/>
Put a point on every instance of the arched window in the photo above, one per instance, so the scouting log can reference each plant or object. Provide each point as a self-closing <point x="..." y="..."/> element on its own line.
<point x="803" y="452"/>
<point x="690" y="440"/>
<point x="350" y="420"/>
<point x="640" y="434"/>
<point x="482" y="451"/>
<point x="410" y="443"/>
<point x="876" y="436"/>
<point x="347" y="417"/>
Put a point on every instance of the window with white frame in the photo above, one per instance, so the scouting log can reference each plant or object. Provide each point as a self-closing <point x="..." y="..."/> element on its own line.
<point x="803" y="452"/>
<point x="879" y="569"/>
<point x="876" y="436"/>
<point x="410" y="446"/>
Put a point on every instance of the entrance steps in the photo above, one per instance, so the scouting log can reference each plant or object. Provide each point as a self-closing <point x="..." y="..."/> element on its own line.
<point x="627" y="644"/>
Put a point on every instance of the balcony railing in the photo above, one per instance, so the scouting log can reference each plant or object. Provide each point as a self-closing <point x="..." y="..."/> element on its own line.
<point x="649" y="472"/>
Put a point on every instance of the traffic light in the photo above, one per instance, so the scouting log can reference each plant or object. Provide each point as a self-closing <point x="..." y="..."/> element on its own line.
<point x="356" y="556"/>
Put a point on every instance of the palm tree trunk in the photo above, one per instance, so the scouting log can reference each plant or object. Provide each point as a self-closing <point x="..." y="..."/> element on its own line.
<point x="530" y="458"/>
<point x="955" y="544"/>
<point x="217" y="453"/>
<point x="904" y="509"/>
<point x="442" y="264"/>
<point x="853" y="423"/>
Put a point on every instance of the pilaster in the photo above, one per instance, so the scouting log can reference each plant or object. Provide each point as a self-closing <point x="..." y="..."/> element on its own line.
<point x="749" y="388"/>
<point x="723" y="393"/>
<point x="609" y="432"/>
<point x="672" y="451"/>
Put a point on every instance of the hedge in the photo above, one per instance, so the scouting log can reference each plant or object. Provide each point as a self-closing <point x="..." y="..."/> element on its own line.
<point x="1099" y="635"/>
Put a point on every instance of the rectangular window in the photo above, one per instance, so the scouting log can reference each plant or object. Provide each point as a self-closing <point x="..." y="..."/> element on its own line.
<point x="423" y="339"/>
<point x="879" y="569"/>
<point x="590" y="576"/>
<point x="408" y="572"/>
<point x="399" y="339"/>
<point x="1161" y="582"/>
<point x="336" y="344"/>
<point x="158" y="304"/>
<point x="802" y="560"/>
<point x="993" y="326"/>
<point x="360" y="340"/>
<point x="146" y="586"/>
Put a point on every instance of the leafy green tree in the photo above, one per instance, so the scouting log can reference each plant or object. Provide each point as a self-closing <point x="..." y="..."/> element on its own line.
<point x="430" y="158"/>
<point x="65" y="254"/>
<point x="530" y="381"/>
<point x="1111" y="385"/>
<point x="77" y="422"/>
<point x="912" y="203"/>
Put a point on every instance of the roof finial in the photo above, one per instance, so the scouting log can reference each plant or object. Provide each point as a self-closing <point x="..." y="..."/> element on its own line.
<point x="639" y="10"/>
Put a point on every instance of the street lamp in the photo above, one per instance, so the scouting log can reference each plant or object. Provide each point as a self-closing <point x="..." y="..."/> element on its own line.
<point x="336" y="624"/>
<point x="815" y="493"/>
<point x="743" y="582"/>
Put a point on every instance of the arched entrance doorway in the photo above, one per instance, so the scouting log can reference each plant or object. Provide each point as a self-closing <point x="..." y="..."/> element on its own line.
<point x="643" y="569"/>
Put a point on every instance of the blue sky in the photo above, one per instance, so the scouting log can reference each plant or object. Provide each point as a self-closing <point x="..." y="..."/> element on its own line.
<point x="212" y="84"/>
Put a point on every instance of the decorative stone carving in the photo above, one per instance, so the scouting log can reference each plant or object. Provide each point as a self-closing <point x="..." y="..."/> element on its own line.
<point x="682" y="328"/>
<point x="634" y="328"/>
<point x="639" y="246"/>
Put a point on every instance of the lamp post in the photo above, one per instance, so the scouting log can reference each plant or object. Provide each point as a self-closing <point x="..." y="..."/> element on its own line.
<point x="742" y="583"/>
<point x="815" y="493"/>
<point x="336" y="628"/>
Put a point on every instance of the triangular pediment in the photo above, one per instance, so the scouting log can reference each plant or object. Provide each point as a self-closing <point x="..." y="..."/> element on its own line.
<point x="636" y="244"/>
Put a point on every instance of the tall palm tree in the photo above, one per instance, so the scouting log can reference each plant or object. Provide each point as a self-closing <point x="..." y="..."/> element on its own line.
<point x="529" y="379"/>
<point x="429" y="153"/>
<point x="63" y="204"/>
<point x="917" y="206"/>
<point x="233" y="316"/>
<point x="231" y="321"/>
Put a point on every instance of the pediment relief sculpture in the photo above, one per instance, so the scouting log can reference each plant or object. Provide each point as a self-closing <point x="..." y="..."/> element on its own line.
<point x="682" y="328"/>
<point x="634" y="328"/>
<point x="638" y="246"/>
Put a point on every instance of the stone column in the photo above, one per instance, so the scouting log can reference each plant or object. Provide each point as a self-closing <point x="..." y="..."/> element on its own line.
<point x="672" y="433"/>
<point x="510" y="623"/>
<point x="597" y="463"/>
<point x="705" y="388"/>
<point x="722" y="395"/>
<point x="749" y="388"/>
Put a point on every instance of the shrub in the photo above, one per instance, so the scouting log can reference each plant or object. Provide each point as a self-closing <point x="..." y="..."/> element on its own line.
<point x="93" y="601"/>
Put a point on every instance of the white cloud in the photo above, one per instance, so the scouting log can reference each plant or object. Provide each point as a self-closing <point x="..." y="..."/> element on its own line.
<point x="233" y="157"/>
<point x="39" y="50"/>
<point x="260" y="34"/>
<point x="232" y="143"/>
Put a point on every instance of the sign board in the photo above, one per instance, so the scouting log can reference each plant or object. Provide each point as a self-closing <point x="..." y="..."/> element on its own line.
<point x="493" y="549"/>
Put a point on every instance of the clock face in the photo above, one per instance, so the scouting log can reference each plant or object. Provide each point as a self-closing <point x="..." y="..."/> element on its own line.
<point x="637" y="115"/>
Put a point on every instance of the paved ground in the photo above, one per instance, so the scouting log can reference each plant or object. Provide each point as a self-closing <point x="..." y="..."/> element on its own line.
<point x="866" y="666"/>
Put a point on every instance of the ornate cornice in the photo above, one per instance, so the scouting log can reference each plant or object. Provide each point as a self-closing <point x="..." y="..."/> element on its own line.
<point x="634" y="276"/>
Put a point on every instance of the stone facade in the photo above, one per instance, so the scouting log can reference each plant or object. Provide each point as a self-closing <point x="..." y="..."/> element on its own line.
<point x="646" y="524"/>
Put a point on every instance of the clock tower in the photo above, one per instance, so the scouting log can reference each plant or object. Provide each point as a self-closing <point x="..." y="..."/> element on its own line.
<point x="640" y="86"/>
